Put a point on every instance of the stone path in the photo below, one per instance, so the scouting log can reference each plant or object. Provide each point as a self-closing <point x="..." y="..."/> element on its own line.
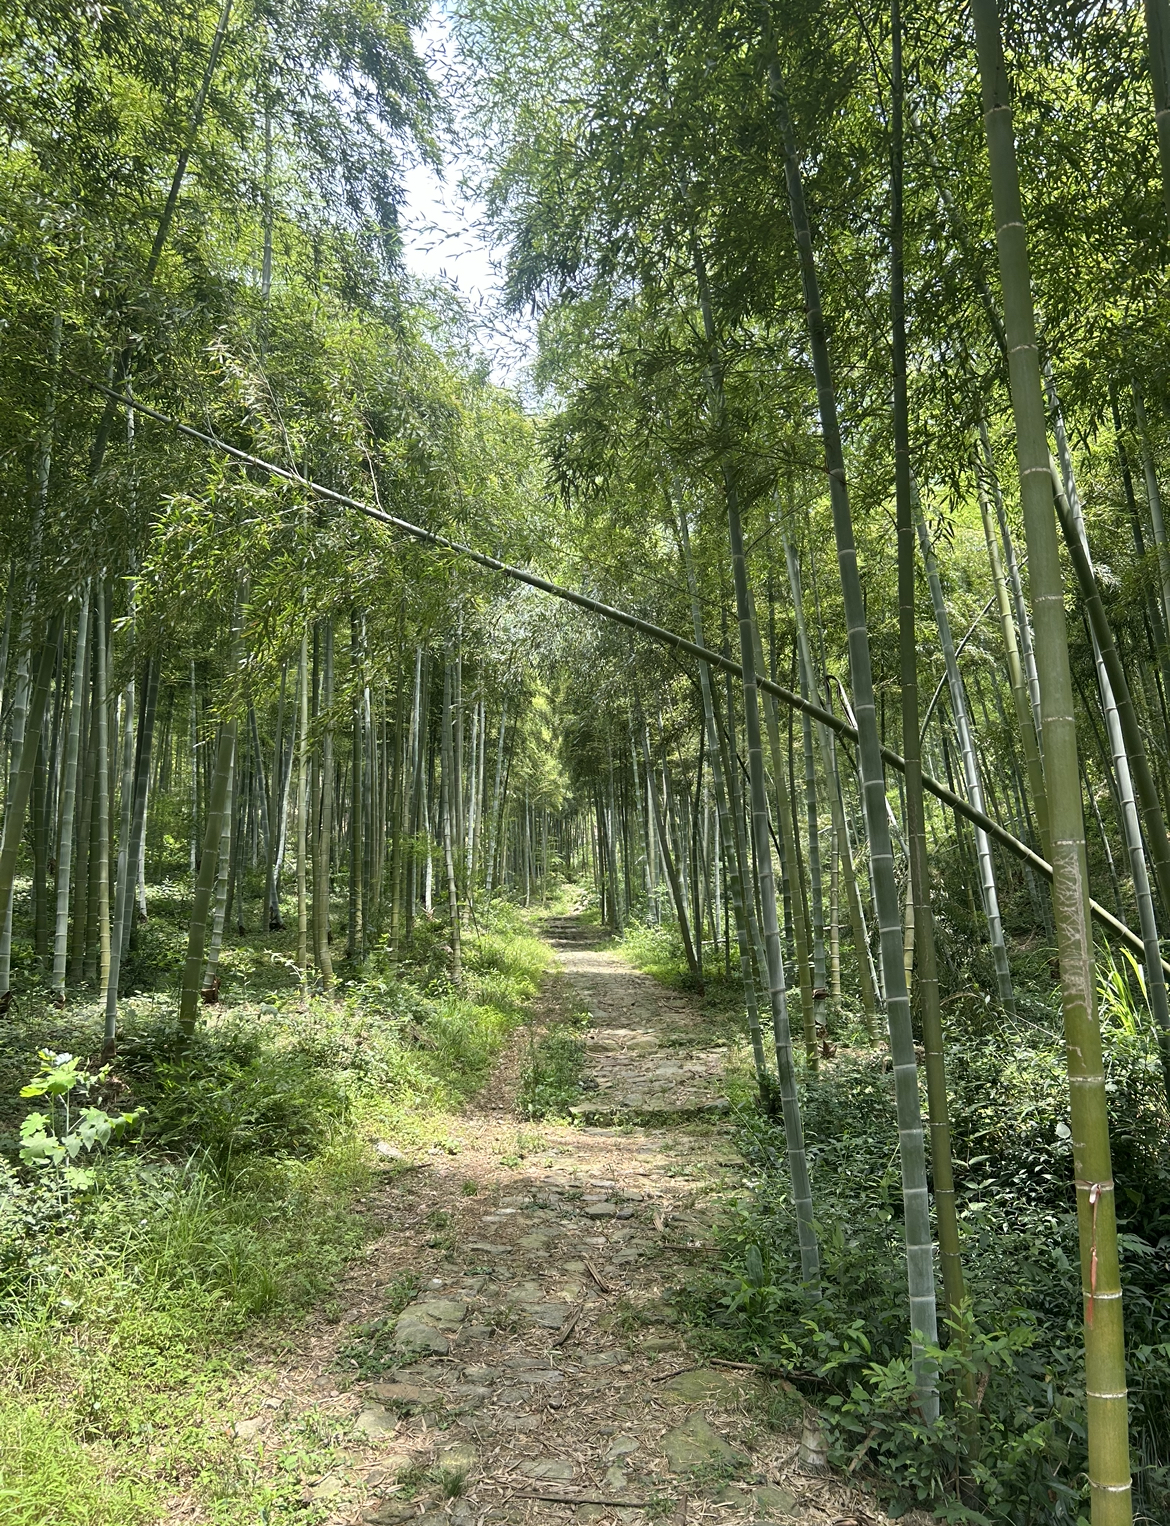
<point x="535" y="1374"/>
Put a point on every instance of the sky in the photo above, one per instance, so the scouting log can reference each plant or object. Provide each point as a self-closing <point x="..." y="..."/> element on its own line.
<point x="445" y="236"/>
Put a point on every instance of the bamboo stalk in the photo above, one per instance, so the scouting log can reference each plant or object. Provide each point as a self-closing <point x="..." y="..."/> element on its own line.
<point x="915" y="1195"/>
<point x="1109" y="1477"/>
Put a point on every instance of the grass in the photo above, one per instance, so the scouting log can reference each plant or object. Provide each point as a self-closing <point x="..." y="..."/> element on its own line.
<point x="551" y="1078"/>
<point x="135" y="1313"/>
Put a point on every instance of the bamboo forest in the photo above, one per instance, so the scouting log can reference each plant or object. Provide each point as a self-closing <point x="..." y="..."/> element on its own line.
<point x="585" y="739"/>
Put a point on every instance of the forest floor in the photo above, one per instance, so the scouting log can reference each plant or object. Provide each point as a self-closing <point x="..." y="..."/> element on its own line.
<point x="505" y="1349"/>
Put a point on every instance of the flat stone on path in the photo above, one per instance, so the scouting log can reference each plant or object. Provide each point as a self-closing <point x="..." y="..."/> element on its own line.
<point x="428" y="1323"/>
<point x="407" y="1395"/>
<point x="459" y="1456"/>
<point x="391" y="1513"/>
<point x="413" y="1334"/>
<point x="621" y="1446"/>
<point x="694" y="1443"/>
<point x="551" y="1470"/>
<point x="375" y="1422"/>
<point x="442" y="1311"/>
<point x="767" y="1502"/>
<point x="705" y="1385"/>
<point x="550" y="1315"/>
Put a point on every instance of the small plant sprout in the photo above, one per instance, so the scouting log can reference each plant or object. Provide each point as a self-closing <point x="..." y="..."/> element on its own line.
<point x="55" y="1140"/>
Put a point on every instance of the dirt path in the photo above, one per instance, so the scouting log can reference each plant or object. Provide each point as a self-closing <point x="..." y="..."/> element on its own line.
<point x="536" y="1376"/>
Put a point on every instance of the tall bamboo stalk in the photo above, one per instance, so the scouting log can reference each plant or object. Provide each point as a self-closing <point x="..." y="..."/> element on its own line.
<point x="922" y="920"/>
<point x="915" y="1196"/>
<point x="20" y="787"/>
<point x="728" y="832"/>
<point x="1158" y="30"/>
<point x="323" y="840"/>
<point x="773" y="954"/>
<point x="987" y="882"/>
<point x="303" y="813"/>
<point x="1109" y="1477"/>
<point x="69" y="798"/>
<point x="844" y="859"/>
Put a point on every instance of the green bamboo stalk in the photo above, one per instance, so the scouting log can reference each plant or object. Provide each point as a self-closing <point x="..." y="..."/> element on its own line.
<point x="137" y="777"/>
<point x="987" y="883"/>
<point x="728" y="834"/>
<point x="323" y="844"/>
<point x="102" y="804"/>
<point x="122" y="894"/>
<point x="1025" y="722"/>
<point x="303" y="814"/>
<point x="1109" y="1477"/>
<point x="223" y="884"/>
<point x="205" y="881"/>
<point x="1158" y="31"/>
<point x="918" y="890"/>
<point x="669" y="861"/>
<point x="81" y="871"/>
<point x="1015" y="583"/>
<point x="915" y="1194"/>
<point x="784" y="820"/>
<point x="20" y="786"/>
<point x="773" y="954"/>
<point x="69" y="800"/>
<point x="447" y="825"/>
<point x="846" y="870"/>
<point x="834" y="916"/>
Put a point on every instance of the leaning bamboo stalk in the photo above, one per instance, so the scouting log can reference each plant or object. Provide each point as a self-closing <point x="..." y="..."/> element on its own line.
<point x="959" y="807"/>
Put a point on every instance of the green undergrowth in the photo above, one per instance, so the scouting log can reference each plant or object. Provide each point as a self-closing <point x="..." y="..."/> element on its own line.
<point x="1018" y="1347"/>
<point x="130" y="1309"/>
<point x="554" y="1062"/>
